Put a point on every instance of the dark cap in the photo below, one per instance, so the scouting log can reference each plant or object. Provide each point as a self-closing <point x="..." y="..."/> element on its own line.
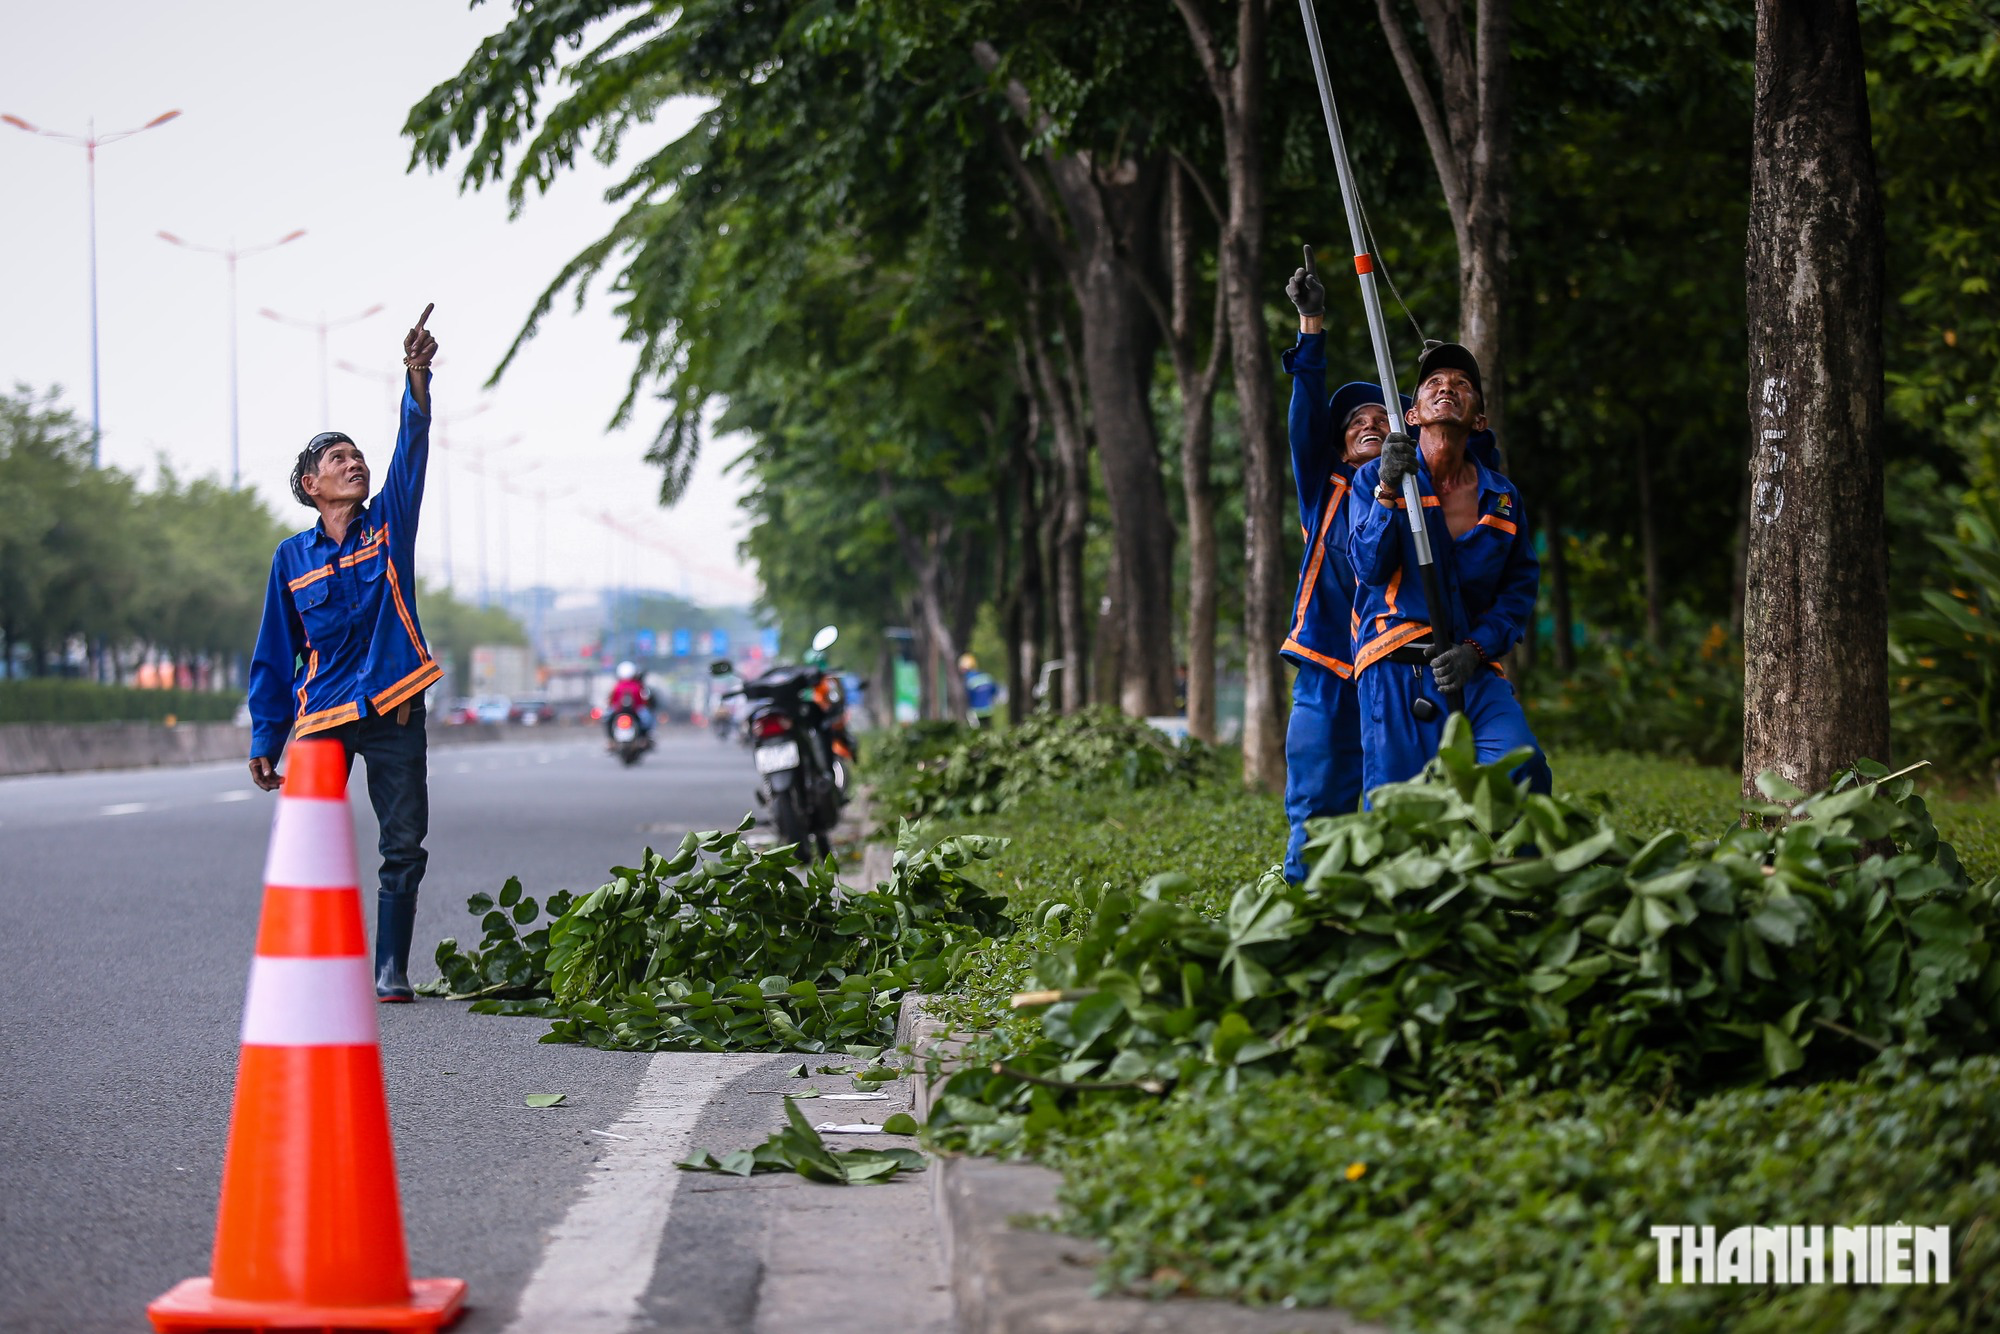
<point x="1449" y="357"/>
<point x="308" y="461"/>
<point x="1352" y="397"/>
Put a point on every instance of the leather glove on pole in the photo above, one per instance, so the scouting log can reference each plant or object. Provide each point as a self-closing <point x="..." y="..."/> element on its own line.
<point x="1399" y="460"/>
<point x="1307" y="293"/>
<point x="1452" y="667"/>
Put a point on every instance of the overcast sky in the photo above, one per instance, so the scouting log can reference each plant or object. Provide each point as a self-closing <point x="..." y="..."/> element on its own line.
<point x="290" y="118"/>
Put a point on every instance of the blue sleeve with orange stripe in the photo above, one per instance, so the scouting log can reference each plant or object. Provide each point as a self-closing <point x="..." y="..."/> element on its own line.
<point x="403" y="486"/>
<point x="1502" y="624"/>
<point x="1307" y="422"/>
<point x="273" y="665"/>
<point x="1374" y="542"/>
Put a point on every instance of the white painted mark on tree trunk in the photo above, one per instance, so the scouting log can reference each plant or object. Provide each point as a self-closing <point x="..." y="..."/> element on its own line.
<point x="1767" y="500"/>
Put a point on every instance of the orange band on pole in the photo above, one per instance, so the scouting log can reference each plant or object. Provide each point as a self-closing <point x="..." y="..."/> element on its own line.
<point x="1364" y="263"/>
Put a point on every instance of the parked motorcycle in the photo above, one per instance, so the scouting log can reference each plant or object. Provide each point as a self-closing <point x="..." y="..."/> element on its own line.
<point x="800" y="780"/>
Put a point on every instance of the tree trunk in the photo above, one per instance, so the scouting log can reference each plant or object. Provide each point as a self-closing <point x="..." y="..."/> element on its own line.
<point x="1118" y="344"/>
<point x="1072" y="507"/>
<point x="1649" y="546"/>
<point x="1238" y="87"/>
<point x="1108" y="227"/>
<point x="1111" y="634"/>
<point x="1196" y="383"/>
<point x="1740" y="555"/>
<point x="1815" y="689"/>
<point x="1468" y="130"/>
<point x="1024" y="625"/>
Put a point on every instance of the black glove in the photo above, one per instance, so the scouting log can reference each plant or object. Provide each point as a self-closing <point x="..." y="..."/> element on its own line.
<point x="1452" y="667"/>
<point x="1399" y="460"/>
<point x="1307" y="293"/>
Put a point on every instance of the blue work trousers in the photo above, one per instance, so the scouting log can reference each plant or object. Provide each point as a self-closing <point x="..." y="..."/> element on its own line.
<point x="1322" y="757"/>
<point x="1397" y="745"/>
<point x="398" y="789"/>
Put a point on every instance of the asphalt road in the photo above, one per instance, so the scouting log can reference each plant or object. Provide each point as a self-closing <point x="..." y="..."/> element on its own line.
<point x="128" y="911"/>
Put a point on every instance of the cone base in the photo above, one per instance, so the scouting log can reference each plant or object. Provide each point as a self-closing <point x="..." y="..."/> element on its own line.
<point x="192" y="1305"/>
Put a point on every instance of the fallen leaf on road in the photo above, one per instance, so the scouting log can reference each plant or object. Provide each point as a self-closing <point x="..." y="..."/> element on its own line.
<point x="545" y="1099"/>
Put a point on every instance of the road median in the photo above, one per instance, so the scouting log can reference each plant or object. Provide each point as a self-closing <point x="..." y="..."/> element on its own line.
<point x="63" y="748"/>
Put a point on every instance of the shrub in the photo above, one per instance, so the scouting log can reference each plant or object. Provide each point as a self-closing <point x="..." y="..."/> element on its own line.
<point x="1683" y="698"/>
<point x="1463" y="933"/>
<point x="54" y="700"/>
<point x="988" y="771"/>
<point x="1944" y="655"/>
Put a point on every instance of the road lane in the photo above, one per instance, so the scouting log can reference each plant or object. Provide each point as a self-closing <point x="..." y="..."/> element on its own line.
<point x="129" y="902"/>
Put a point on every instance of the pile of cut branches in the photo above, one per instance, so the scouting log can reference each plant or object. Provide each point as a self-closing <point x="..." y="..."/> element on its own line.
<point x="726" y="947"/>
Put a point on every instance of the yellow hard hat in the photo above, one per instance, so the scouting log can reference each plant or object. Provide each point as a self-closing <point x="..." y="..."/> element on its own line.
<point x="966" y="662"/>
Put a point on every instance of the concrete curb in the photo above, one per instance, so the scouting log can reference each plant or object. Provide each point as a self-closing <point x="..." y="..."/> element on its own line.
<point x="1010" y="1279"/>
<point x="63" y="748"/>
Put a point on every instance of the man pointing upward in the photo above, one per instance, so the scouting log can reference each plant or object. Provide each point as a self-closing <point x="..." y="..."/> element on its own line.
<point x="340" y="653"/>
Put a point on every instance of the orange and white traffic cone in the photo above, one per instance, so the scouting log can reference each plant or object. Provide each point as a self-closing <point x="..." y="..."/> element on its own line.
<point x="309" y="1232"/>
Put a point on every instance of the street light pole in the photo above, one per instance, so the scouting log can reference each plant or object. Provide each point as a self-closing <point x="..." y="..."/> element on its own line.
<point x="322" y="327"/>
<point x="230" y="254"/>
<point x="90" y="141"/>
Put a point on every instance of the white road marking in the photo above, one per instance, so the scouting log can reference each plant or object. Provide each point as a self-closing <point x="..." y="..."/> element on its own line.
<point x="235" y="796"/>
<point x="599" y="1260"/>
<point x="125" y="808"/>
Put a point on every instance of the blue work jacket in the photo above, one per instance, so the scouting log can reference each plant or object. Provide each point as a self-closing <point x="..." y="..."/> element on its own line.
<point x="1490" y="575"/>
<point x="1321" y="630"/>
<point x="340" y="632"/>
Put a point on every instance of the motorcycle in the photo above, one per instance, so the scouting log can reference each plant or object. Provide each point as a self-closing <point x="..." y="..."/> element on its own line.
<point x="800" y="779"/>
<point x="723" y="723"/>
<point x="628" y="742"/>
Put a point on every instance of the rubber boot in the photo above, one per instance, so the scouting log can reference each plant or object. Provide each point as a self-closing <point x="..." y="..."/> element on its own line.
<point x="395" y="922"/>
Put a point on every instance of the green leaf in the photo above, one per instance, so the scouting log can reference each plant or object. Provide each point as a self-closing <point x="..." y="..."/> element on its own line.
<point x="902" y="1123"/>
<point x="1781" y="1054"/>
<point x="510" y="893"/>
<point x="544" y="1099"/>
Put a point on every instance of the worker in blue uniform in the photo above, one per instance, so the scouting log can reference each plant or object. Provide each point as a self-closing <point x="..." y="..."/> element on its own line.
<point x="1330" y="438"/>
<point x="340" y="653"/>
<point x="1486" y="563"/>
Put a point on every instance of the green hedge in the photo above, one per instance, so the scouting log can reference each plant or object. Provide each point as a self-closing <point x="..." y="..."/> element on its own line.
<point x="49" y="700"/>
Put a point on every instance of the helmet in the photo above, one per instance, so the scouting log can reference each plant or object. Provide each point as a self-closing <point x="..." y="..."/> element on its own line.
<point x="626" y="671"/>
<point x="966" y="662"/>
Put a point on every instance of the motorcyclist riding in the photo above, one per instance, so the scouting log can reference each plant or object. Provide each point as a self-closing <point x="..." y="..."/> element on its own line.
<point x="630" y="693"/>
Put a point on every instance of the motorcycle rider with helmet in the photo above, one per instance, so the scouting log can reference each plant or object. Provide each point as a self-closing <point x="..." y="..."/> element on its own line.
<point x="629" y="693"/>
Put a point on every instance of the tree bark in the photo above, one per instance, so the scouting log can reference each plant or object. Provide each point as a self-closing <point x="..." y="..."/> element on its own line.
<point x="1468" y="130"/>
<point x="1238" y="88"/>
<point x="1108" y="210"/>
<point x="1072" y="506"/>
<point x="1815" y="689"/>
<point x="928" y="557"/>
<point x="1196" y="381"/>
<point x="1023" y="528"/>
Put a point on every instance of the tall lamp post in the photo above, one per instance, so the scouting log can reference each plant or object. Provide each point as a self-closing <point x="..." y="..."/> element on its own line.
<point x="322" y="327"/>
<point x="90" y="141"/>
<point x="230" y="254"/>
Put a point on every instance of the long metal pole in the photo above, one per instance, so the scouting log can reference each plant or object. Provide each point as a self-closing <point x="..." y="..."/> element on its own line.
<point x="1378" y="336"/>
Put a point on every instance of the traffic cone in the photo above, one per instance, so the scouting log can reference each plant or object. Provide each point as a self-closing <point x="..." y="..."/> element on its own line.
<point x="309" y="1232"/>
